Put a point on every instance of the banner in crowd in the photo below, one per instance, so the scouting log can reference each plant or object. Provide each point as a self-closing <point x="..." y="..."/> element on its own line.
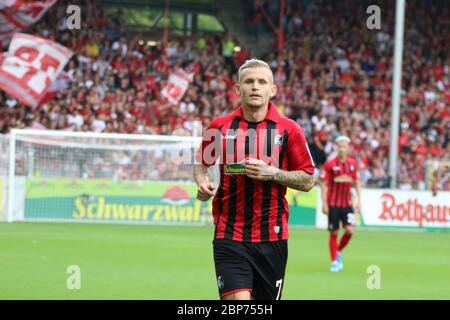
<point x="177" y="85"/>
<point x="30" y="66"/>
<point x="16" y="15"/>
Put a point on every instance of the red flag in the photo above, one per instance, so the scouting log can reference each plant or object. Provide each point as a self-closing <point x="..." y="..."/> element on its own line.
<point x="177" y="85"/>
<point x="18" y="14"/>
<point x="30" y="66"/>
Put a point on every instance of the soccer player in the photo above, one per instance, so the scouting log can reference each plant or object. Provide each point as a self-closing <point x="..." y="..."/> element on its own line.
<point x="261" y="154"/>
<point x="339" y="174"/>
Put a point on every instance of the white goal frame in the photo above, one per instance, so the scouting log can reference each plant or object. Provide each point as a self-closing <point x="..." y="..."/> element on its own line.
<point x="31" y="133"/>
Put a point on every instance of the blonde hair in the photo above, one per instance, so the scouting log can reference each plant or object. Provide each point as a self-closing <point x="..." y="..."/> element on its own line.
<point x="253" y="63"/>
<point x="342" y="139"/>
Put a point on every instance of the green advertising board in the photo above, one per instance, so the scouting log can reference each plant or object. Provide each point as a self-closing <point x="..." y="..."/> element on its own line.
<point x="302" y="207"/>
<point x="136" y="202"/>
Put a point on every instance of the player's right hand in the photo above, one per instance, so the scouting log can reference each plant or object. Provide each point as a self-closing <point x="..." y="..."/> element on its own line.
<point x="205" y="191"/>
<point x="325" y="209"/>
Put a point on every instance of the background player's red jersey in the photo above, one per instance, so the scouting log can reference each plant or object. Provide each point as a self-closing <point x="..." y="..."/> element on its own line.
<point x="340" y="177"/>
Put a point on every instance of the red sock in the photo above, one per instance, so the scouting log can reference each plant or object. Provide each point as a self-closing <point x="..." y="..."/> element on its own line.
<point x="333" y="246"/>
<point x="344" y="240"/>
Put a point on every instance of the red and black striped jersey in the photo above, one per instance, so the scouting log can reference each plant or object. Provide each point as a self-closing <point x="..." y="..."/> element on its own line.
<point x="246" y="209"/>
<point x="339" y="177"/>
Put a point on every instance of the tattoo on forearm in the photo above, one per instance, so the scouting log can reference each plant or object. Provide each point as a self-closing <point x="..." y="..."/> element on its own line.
<point x="298" y="180"/>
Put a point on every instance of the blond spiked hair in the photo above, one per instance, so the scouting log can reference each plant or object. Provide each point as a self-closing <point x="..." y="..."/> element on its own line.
<point x="253" y="63"/>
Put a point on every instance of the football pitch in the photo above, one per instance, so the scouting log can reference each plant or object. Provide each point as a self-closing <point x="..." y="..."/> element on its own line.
<point x="170" y="262"/>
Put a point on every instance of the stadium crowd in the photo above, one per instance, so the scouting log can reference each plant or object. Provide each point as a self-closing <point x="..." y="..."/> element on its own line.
<point x="334" y="78"/>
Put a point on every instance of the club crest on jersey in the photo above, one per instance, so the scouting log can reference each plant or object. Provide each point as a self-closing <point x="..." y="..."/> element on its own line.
<point x="352" y="168"/>
<point x="220" y="282"/>
<point x="276" y="229"/>
<point x="278" y="140"/>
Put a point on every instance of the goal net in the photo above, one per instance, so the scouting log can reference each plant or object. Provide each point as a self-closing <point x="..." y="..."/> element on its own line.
<point x="92" y="177"/>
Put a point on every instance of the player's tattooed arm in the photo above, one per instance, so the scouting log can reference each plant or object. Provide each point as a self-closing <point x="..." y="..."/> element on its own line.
<point x="298" y="180"/>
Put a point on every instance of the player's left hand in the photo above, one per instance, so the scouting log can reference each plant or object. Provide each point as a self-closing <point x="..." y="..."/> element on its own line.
<point x="259" y="169"/>
<point x="358" y="207"/>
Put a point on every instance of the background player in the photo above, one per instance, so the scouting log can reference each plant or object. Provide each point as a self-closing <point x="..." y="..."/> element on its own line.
<point x="249" y="208"/>
<point x="339" y="174"/>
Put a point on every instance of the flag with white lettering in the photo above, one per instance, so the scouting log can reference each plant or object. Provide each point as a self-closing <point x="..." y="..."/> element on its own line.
<point x="16" y="15"/>
<point x="30" y="66"/>
<point x="177" y="85"/>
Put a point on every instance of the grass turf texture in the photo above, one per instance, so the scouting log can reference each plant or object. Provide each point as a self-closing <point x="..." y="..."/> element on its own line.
<point x="167" y="262"/>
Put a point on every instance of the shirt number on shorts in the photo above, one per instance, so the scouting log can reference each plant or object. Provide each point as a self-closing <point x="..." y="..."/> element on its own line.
<point x="279" y="284"/>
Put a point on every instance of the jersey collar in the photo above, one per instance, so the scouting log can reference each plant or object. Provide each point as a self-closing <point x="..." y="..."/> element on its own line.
<point x="272" y="114"/>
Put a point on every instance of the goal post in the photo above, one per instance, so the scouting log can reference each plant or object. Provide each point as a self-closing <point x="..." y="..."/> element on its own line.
<point x="65" y="176"/>
<point x="4" y="167"/>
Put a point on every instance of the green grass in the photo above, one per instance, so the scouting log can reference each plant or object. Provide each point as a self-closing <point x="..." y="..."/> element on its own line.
<point x="156" y="262"/>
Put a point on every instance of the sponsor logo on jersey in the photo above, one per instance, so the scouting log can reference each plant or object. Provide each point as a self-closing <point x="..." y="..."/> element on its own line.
<point x="234" y="168"/>
<point x="343" y="178"/>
